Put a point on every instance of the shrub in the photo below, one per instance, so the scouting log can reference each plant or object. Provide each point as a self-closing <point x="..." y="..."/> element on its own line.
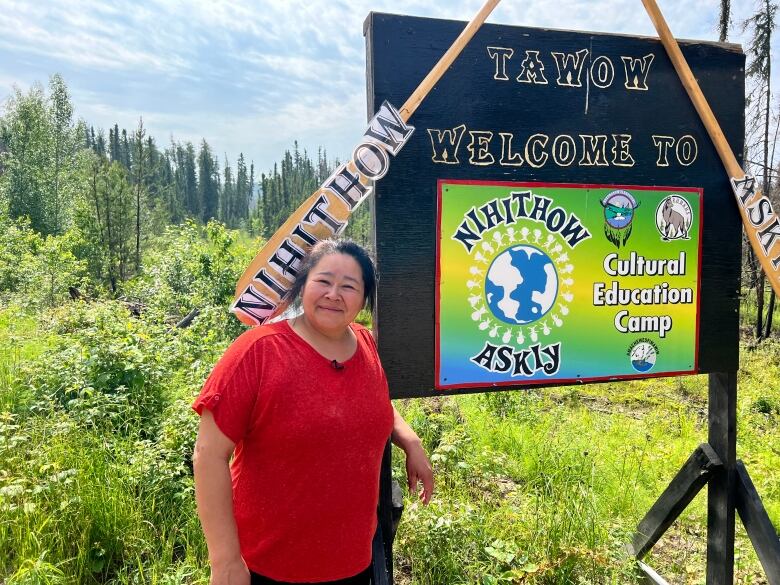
<point x="36" y="270"/>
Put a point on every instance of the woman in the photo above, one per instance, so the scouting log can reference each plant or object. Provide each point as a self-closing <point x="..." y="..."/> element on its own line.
<point x="302" y="406"/>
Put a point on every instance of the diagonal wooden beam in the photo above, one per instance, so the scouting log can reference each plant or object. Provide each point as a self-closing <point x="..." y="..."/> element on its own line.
<point x="758" y="525"/>
<point x="651" y="577"/>
<point x="762" y="231"/>
<point x="262" y="291"/>
<point x="675" y="498"/>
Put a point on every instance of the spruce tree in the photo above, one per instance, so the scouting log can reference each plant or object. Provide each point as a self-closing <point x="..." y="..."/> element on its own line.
<point x="227" y="197"/>
<point x="139" y="178"/>
<point x="208" y="196"/>
<point x="113" y="138"/>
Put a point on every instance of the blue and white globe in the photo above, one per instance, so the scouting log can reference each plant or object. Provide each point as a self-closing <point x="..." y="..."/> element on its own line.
<point x="521" y="285"/>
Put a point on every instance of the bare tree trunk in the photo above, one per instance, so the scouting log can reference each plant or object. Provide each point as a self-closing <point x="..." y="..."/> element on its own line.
<point x="765" y="187"/>
<point x="769" y="313"/>
<point x="95" y="172"/>
<point x="725" y="18"/>
<point x="109" y="238"/>
<point x="139" y="140"/>
<point x="760" y="305"/>
<point x="762" y="24"/>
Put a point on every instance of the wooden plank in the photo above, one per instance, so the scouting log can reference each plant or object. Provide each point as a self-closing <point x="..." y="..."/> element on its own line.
<point x="675" y="498"/>
<point x="651" y="577"/>
<point x="746" y="198"/>
<point x="261" y="291"/>
<point x="721" y="497"/>
<point x="758" y="525"/>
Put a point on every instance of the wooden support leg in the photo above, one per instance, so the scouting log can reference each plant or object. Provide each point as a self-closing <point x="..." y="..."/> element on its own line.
<point x="721" y="498"/>
<point x="651" y="577"/>
<point x="675" y="498"/>
<point x="758" y="525"/>
<point x="383" y="542"/>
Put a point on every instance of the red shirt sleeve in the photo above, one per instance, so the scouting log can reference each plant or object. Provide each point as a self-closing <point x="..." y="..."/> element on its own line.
<point x="231" y="390"/>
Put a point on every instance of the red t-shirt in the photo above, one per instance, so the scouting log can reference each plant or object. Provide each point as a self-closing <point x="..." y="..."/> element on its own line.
<point x="309" y="442"/>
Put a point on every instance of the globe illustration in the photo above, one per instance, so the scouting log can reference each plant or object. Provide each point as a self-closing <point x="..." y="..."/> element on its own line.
<point x="521" y="285"/>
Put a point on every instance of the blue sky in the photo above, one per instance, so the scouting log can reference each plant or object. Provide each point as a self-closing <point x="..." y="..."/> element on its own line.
<point x="253" y="76"/>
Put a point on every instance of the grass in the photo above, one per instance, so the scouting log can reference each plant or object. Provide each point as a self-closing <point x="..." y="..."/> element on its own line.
<point x="547" y="486"/>
<point x="538" y="487"/>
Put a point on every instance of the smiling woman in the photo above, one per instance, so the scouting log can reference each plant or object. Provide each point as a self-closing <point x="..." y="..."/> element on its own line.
<point x="303" y="408"/>
<point x="335" y="281"/>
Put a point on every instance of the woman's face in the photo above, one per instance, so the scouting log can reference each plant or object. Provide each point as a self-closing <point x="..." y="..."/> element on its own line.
<point x="334" y="293"/>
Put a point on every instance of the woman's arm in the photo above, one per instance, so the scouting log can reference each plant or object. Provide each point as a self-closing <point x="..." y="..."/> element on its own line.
<point x="418" y="468"/>
<point x="214" y="497"/>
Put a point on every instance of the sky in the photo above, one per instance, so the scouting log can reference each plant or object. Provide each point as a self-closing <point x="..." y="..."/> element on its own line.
<point x="253" y="76"/>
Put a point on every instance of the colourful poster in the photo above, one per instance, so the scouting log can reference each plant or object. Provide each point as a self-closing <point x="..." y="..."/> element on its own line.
<point x="553" y="283"/>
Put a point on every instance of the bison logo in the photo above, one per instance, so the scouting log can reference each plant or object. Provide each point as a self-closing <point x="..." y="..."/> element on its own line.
<point x="673" y="218"/>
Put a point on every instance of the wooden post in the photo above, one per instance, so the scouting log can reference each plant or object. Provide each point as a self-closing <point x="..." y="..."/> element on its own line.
<point x="721" y="498"/>
<point x="386" y="517"/>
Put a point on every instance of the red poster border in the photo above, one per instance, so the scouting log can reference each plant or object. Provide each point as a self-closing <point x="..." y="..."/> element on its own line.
<point x="558" y="381"/>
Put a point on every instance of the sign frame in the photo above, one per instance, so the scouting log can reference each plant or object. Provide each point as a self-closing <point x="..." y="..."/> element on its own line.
<point x="519" y="383"/>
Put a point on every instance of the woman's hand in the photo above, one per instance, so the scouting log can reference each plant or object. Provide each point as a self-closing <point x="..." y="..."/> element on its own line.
<point x="233" y="572"/>
<point x="418" y="469"/>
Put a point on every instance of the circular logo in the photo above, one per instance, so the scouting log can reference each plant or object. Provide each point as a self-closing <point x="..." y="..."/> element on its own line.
<point x="619" y="209"/>
<point x="643" y="355"/>
<point x="673" y="218"/>
<point x="521" y="285"/>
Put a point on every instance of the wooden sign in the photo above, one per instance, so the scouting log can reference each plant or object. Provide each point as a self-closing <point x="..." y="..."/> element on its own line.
<point x="261" y="291"/>
<point x="534" y="139"/>
<point x="527" y="271"/>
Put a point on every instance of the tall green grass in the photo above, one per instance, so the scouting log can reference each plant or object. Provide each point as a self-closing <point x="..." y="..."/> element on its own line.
<point x="533" y="486"/>
<point x="548" y="486"/>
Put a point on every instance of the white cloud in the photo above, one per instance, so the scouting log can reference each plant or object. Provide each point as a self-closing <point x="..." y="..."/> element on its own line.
<point x="254" y="75"/>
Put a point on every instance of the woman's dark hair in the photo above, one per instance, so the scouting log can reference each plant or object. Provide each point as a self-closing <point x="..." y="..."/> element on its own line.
<point x="328" y="247"/>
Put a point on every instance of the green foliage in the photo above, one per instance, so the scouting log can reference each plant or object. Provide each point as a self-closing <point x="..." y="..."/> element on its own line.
<point x="547" y="486"/>
<point x="191" y="266"/>
<point x="120" y="192"/>
<point x="106" y="215"/>
<point x="37" y="270"/>
<point x="516" y="502"/>
<point x="18" y="242"/>
<point x="94" y="518"/>
<point x="108" y="377"/>
<point x="95" y="466"/>
<point x="24" y="184"/>
<point x="208" y="180"/>
<point x="39" y="177"/>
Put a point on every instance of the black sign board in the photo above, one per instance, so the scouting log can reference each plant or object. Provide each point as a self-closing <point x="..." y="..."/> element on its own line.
<point x="554" y="130"/>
